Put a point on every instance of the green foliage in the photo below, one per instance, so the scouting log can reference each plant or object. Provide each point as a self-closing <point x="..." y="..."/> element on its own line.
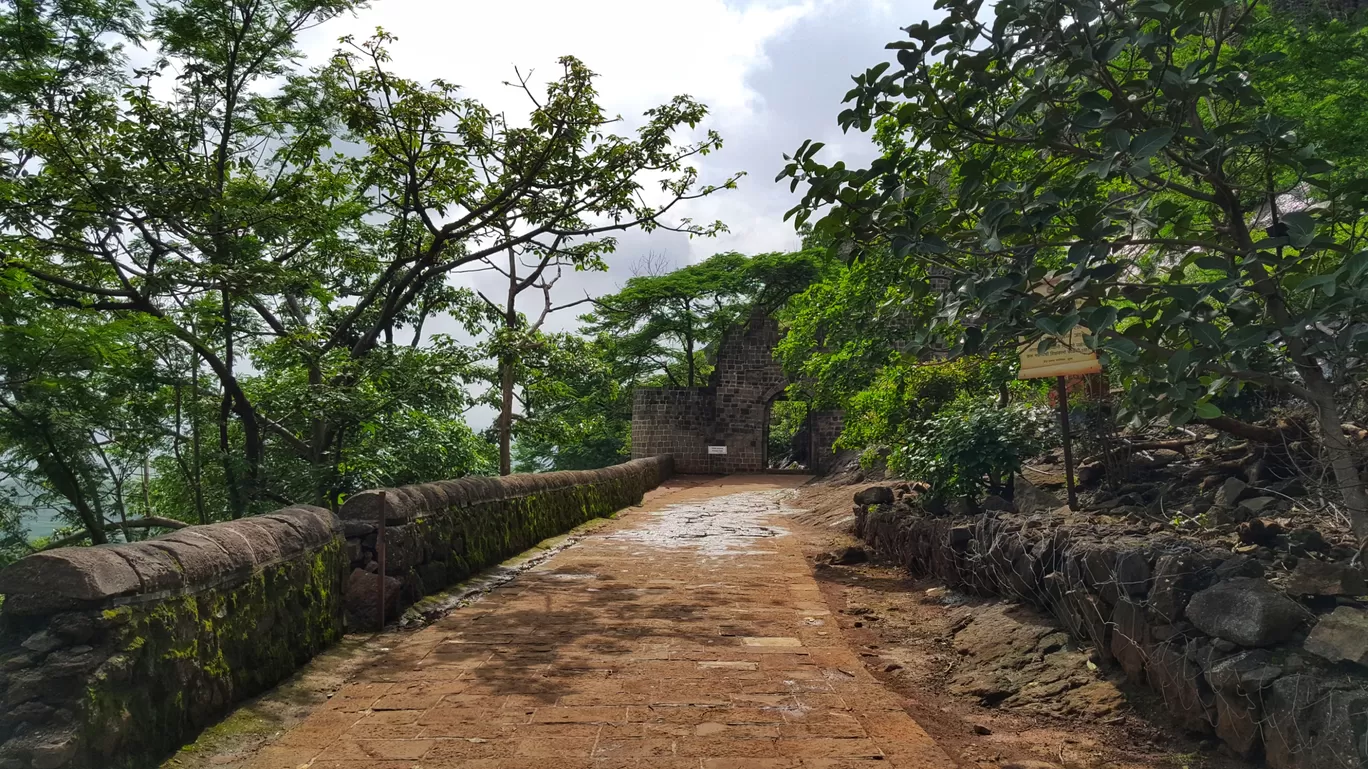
<point x="670" y="319"/>
<point x="787" y="421"/>
<point x="577" y="406"/>
<point x="210" y="310"/>
<point x="1126" y="168"/>
<point x="971" y="445"/>
<point x="904" y="395"/>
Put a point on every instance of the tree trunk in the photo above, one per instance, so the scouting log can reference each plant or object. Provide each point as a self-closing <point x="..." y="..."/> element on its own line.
<point x="1341" y="457"/>
<point x="506" y="415"/>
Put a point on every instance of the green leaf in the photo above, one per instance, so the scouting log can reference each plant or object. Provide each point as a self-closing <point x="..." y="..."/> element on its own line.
<point x="1150" y="142"/>
<point x="1301" y="228"/>
<point x="1208" y="410"/>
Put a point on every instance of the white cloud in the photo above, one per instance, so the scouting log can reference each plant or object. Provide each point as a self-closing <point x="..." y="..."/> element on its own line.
<point x="645" y="50"/>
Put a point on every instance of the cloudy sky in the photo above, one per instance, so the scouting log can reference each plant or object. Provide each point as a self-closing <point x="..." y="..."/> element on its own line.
<point x="773" y="73"/>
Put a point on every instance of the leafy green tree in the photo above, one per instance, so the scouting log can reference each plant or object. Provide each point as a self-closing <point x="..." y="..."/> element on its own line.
<point x="1070" y="162"/>
<point x="285" y="235"/>
<point x="577" y="404"/>
<point x="671" y="318"/>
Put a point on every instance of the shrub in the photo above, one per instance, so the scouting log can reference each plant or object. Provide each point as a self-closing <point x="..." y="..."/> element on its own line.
<point x="972" y="445"/>
<point x="906" y="394"/>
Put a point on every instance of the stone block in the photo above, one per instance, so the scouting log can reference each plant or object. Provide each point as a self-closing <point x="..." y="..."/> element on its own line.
<point x="1246" y="611"/>
<point x="1341" y="636"/>
<point x="1312" y="577"/>
<point x="66" y="578"/>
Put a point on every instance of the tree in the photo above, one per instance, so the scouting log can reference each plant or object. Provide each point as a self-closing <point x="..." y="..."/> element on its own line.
<point x="283" y="229"/>
<point x="1119" y="167"/>
<point x="669" y="319"/>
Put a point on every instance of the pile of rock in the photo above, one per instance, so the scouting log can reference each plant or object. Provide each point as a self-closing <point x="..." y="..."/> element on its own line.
<point x="1266" y="648"/>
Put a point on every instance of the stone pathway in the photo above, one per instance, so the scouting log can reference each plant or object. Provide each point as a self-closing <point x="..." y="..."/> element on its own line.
<point x="690" y="633"/>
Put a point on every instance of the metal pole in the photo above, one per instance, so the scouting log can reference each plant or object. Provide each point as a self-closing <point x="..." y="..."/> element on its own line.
<point x="1068" y="443"/>
<point x="380" y="553"/>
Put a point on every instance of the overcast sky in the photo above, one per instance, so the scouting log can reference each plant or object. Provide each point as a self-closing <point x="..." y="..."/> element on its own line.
<point x="773" y="73"/>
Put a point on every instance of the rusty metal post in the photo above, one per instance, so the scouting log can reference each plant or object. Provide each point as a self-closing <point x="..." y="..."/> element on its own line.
<point x="380" y="553"/>
<point x="1068" y="443"/>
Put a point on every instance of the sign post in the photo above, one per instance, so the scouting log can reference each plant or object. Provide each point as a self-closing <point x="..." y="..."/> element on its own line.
<point x="1067" y="357"/>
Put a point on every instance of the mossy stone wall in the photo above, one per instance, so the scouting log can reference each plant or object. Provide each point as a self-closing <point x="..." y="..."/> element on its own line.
<point x="437" y="534"/>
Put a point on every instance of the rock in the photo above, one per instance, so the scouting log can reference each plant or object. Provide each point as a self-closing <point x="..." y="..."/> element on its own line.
<point x="981" y="729"/>
<point x="43" y="642"/>
<point x="357" y="529"/>
<point x="849" y="556"/>
<point x="1231" y="492"/>
<point x="1030" y="498"/>
<point x="1176" y="577"/>
<point x="1165" y="457"/>
<point x="959" y="536"/>
<point x="1321" y="578"/>
<point x="1130" y="639"/>
<point x="74" y="627"/>
<point x="66" y="578"/>
<point x="1239" y="566"/>
<point x="1306" y="540"/>
<point x="361" y="600"/>
<point x="1246" y="611"/>
<point x="1256" y="505"/>
<point x="1133" y="573"/>
<point x="1177" y="676"/>
<point x="874" y="495"/>
<point x="1314" y="723"/>
<point x="1091" y="473"/>
<point x="1341" y="636"/>
<point x="997" y="504"/>
<point x="53" y="754"/>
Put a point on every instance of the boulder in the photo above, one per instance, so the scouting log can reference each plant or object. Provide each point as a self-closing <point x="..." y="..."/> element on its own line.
<point x="1239" y="683"/>
<point x="1341" y="636"/>
<point x="1173" y="671"/>
<point x="1232" y="492"/>
<point x="996" y="504"/>
<point x="1306" y="540"/>
<point x="362" y="604"/>
<point x="874" y="495"/>
<point x="1312" y="722"/>
<point x="1246" y="611"/>
<point x="1320" y="578"/>
<point x="1030" y="498"/>
<point x="1176" y="577"/>
<point x="1130" y="639"/>
<point x="1256" y="506"/>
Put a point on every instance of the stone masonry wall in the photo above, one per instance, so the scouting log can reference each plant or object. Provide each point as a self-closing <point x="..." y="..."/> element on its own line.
<point x="1275" y="668"/>
<point x="439" y="533"/>
<point x="732" y="411"/>
<point x="114" y="656"/>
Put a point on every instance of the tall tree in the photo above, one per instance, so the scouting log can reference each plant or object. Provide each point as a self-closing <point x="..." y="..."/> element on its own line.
<point x="1116" y="166"/>
<point x="284" y="229"/>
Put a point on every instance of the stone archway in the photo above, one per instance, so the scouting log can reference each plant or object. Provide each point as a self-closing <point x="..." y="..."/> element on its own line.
<point x="731" y="414"/>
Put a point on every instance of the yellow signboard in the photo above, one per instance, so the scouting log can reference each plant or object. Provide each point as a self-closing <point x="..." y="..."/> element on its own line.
<point x="1066" y="357"/>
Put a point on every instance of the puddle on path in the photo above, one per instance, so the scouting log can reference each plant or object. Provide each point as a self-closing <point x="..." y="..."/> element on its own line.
<point x="732" y="525"/>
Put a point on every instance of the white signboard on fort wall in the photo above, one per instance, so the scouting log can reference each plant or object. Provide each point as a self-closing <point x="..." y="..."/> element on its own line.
<point x="717" y="449"/>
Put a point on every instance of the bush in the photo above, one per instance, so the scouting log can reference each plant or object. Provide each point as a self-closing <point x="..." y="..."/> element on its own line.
<point x="906" y="394"/>
<point x="972" y="445"/>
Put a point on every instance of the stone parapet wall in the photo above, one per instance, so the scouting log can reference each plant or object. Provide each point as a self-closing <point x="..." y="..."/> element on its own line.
<point x="111" y="657"/>
<point x="1275" y="668"/>
<point x="114" y="654"/>
<point x="439" y="533"/>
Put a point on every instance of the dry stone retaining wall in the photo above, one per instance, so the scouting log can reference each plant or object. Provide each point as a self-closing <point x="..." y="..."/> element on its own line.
<point x="1272" y="675"/>
<point x="113" y="656"/>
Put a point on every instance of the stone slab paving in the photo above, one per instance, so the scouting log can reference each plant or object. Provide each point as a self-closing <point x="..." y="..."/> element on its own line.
<point x="690" y="633"/>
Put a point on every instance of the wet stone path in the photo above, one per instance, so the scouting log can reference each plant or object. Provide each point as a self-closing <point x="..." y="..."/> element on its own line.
<point x="689" y="633"/>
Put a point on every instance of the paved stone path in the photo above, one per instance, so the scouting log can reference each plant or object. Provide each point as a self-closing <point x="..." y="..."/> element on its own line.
<point x="690" y="633"/>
